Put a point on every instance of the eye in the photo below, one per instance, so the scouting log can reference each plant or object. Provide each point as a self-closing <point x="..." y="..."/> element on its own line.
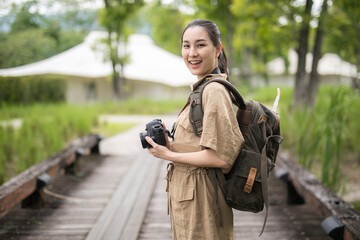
<point x="201" y="45"/>
<point x="186" y="45"/>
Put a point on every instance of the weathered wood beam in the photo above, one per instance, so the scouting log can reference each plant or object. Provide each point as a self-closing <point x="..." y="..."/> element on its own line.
<point x="325" y="201"/>
<point x="25" y="184"/>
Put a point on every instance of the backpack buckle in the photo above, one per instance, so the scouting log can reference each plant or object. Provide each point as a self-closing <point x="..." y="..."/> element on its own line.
<point x="250" y="180"/>
<point x="261" y="119"/>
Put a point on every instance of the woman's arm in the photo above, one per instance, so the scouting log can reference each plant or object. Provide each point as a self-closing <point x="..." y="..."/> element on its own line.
<point x="204" y="158"/>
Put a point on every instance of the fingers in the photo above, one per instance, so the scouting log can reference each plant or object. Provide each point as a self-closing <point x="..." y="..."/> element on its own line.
<point x="150" y="141"/>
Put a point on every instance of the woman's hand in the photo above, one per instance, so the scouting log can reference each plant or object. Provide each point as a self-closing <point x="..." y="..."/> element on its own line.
<point x="204" y="158"/>
<point x="166" y="137"/>
<point x="158" y="150"/>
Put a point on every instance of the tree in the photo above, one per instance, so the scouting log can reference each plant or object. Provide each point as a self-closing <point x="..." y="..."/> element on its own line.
<point x="314" y="80"/>
<point x="260" y="35"/>
<point x="344" y="36"/>
<point x="300" y="76"/>
<point x="113" y="17"/>
<point x="33" y="36"/>
<point x="220" y="12"/>
<point x="24" y="19"/>
<point x="166" y="25"/>
<point x="25" y="47"/>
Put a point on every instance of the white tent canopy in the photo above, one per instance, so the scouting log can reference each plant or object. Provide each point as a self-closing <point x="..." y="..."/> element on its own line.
<point x="329" y="64"/>
<point x="147" y="62"/>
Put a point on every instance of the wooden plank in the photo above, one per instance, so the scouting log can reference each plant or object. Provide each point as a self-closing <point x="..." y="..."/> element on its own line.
<point x="122" y="217"/>
<point x="285" y="222"/>
<point x="24" y="184"/>
<point x="134" y="223"/>
<point x="325" y="202"/>
<point x="68" y="218"/>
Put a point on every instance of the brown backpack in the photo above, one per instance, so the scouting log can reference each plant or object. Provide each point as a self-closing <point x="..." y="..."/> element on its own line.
<point x="245" y="187"/>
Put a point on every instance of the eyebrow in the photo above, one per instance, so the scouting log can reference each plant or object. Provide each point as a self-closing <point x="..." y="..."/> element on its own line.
<point x="198" y="40"/>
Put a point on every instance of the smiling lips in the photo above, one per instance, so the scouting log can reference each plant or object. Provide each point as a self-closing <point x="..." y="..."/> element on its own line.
<point x="195" y="63"/>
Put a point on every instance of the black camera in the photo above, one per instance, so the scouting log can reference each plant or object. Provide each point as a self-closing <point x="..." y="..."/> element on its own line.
<point x="156" y="132"/>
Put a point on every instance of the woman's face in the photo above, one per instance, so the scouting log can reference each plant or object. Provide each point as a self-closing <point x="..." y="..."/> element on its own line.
<point x="199" y="53"/>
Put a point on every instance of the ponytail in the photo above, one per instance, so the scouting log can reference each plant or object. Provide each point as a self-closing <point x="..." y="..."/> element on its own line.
<point x="222" y="63"/>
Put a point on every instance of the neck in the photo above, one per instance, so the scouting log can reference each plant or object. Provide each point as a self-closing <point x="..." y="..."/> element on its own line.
<point x="216" y="71"/>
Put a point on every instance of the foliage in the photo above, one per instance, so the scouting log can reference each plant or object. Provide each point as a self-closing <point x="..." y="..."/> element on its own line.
<point x="142" y="107"/>
<point x="166" y="25"/>
<point x="344" y="30"/>
<point x="257" y="37"/>
<point x="25" y="19"/>
<point x="109" y="129"/>
<point x="34" y="36"/>
<point x="323" y="135"/>
<point x="253" y="32"/>
<point x="356" y="205"/>
<point x="47" y="128"/>
<point x="24" y="47"/>
<point x="114" y="17"/>
<point x="33" y="89"/>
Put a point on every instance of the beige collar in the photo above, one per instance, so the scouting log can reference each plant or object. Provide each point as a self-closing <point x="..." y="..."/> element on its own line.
<point x="206" y="78"/>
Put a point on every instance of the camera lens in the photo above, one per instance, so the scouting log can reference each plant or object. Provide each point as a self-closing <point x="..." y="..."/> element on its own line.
<point x="144" y="143"/>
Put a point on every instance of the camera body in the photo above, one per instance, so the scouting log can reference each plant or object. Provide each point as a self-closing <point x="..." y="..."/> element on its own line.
<point x="155" y="131"/>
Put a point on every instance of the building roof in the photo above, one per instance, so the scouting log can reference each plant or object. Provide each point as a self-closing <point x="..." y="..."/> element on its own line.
<point x="148" y="62"/>
<point x="329" y="64"/>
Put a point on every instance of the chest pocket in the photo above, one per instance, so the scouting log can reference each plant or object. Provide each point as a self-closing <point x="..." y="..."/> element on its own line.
<point x="184" y="132"/>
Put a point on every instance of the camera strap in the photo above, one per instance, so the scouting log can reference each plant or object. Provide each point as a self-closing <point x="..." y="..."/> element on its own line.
<point x="171" y="134"/>
<point x="187" y="103"/>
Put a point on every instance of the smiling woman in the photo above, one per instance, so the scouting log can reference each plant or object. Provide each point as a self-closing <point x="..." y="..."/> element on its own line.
<point x="202" y="49"/>
<point x="197" y="206"/>
<point x="200" y="55"/>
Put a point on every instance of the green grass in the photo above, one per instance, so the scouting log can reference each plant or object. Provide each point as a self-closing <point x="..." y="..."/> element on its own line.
<point x="321" y="138"/>
<point x="142" y="107"/>
<point x="356" y="205"/>
<point x="324" y="135"/>
<point x="48" y="128"/>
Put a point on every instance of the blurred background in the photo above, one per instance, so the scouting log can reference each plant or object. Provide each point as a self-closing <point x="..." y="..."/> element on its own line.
<point x="65" y="64"/>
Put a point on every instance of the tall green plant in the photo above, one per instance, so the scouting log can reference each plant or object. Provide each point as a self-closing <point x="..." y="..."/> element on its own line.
<point x="333" y="129"/>
<point x="45" y="129"/>
<point x="320" y="135"/>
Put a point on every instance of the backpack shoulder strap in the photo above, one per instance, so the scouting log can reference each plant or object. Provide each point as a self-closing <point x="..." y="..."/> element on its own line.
<point x="196" y="113"/>
<point x="236" y="97"/>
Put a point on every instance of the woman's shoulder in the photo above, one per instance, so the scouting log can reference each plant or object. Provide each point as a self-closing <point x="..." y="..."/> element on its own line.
<point x="215" y="88"/>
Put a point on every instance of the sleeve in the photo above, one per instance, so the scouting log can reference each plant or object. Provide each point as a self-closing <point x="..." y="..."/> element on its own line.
<point x="220" y="128"/>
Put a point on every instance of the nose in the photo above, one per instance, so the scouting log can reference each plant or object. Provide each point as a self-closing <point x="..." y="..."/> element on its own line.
<point x="193" y="52"/>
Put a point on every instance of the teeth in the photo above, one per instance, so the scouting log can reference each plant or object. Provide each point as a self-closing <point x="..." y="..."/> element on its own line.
<point x="194" y="62"/>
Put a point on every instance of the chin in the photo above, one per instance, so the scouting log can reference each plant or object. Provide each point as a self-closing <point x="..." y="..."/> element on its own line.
<point x="195" y="72"/>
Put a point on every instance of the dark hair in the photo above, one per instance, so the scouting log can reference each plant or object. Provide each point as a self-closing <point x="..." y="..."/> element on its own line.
<point x="215" y="37"/>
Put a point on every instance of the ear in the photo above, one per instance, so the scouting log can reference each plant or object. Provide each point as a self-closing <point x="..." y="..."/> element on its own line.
<point x="218" y="50"/>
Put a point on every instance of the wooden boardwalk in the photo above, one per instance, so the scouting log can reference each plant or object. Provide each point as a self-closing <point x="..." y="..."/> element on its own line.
<point x="75" y="203"/>
<point x="122" y="196"/>
<point x="285" y="222"/>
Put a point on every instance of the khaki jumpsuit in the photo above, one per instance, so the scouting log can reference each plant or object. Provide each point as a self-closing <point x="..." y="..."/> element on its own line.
<point x="197" y="211"/>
